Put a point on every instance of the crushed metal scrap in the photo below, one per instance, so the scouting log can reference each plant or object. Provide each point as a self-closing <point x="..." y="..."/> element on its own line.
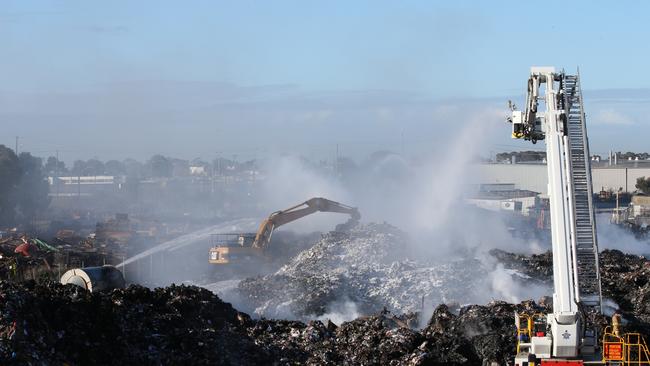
<point x="366" y="268"/>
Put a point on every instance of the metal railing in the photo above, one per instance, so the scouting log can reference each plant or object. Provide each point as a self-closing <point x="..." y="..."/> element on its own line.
<point x="626" y="349"/>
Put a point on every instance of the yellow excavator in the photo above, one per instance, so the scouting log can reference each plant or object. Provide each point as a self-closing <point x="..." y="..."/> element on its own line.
<point x="240" y="248"/>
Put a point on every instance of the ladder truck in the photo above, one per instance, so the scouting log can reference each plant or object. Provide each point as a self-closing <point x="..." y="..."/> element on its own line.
<point x="565" y="336"/>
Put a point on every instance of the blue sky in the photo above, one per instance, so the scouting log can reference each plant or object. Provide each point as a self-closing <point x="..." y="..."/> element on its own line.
<point x="113" y="79"/>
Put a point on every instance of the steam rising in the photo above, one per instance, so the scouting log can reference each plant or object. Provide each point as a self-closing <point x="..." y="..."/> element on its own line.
<point x="341" y="311"/>
<point x="614" y="237"/>
<point x="422" y="197"/>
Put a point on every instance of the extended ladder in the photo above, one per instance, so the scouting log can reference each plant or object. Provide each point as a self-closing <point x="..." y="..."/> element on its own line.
<point x="586" y="250"/>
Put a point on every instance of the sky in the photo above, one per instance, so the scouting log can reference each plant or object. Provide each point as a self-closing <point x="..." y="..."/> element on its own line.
<point x="118" y="79"/>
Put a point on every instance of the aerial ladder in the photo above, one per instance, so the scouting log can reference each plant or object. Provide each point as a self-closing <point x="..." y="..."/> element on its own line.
<point x="242" y="248"/>
<point x="569" y="336"/>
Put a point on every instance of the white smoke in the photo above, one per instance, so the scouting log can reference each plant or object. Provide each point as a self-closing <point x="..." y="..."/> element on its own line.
<point x="611" y="236"/>
<point x="505" y="286"/>
<point x="425" y="199"/>
<point x="291" y="181"/>
<point x="340" y="311"/>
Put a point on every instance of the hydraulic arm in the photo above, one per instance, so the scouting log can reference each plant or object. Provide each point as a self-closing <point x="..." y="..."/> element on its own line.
<point x="241" y="248"/>
<point x="279" y="218"/>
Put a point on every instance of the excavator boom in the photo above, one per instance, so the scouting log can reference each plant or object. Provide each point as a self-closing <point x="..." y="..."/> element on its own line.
<point x="223" y="254"/>
<point x="279" y="218"/>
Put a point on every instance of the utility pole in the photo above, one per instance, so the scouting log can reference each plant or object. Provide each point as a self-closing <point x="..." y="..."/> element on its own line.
<point x="16" y="149"/>
<point x="56" y="174"/>
<point x="336" y="161"/>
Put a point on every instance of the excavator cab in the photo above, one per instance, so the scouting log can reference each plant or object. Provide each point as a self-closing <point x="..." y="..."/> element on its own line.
<point x="227" y="248"/>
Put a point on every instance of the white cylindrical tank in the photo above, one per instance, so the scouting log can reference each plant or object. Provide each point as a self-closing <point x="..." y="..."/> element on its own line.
<point x="94" y="278"/>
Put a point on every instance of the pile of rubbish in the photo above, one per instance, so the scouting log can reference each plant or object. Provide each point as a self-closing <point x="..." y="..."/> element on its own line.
<point x="538" y="267"/>
<point x="355" y="273"/>
<point x="47" y="323"/>
<point x="625" y="280"/>
<point x="361" y="271"/>
<point x="51" y="324"/>
<point x="468" y="335"/>
<point x="28" y="258"/>
<point x="21" y="256"/>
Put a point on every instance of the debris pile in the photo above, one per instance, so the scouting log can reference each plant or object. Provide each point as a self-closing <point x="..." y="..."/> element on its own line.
<point x="538" y="267"/>
<point x="22" y="257"/>
<point x="362" y="271"/>
<point x="469" y="335"/>
<point x="625" y="280"/>
<point x="48" y="323"/>
<point x="29" y="258"/>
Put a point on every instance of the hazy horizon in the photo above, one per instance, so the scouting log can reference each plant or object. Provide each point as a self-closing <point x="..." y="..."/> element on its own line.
<point x="121" y="79"/>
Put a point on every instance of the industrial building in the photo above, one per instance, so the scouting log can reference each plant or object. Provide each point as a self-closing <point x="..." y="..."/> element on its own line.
<point x="534" y="177"/>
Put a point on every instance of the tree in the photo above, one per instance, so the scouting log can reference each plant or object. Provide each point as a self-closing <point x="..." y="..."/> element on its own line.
<point x="133" y="168"/>
<point x="160" y="166"/>
<point x="9" y="178"/>
<point x="23" y="188"/>
<point x="180" y="167"/>
<point x="54" y="167"/>
<point x="78" y="168"/>
<point x="94" y="167"/>
<point x="114" y="167"/>
<point x="643" y="184"/>
<point x="32" y="190"/>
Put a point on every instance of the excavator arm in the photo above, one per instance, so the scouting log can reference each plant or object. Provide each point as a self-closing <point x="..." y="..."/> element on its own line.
<point x="279" y="218"/>
<point x="244" y="250"/>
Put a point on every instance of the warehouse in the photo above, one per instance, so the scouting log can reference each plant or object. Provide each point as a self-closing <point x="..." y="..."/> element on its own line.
<point x="533" y="176"/>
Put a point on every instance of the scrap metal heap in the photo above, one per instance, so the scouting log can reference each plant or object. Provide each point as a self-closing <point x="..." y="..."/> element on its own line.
<point x="625" y="280"/>
<point x="28" y="258"/>
<point x="52" y="324"/>
<point x="367" y="269"/>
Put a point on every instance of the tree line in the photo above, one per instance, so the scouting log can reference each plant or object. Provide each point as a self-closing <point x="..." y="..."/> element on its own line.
<point x="23" y="187"/>
<point x="157" y="166"/>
